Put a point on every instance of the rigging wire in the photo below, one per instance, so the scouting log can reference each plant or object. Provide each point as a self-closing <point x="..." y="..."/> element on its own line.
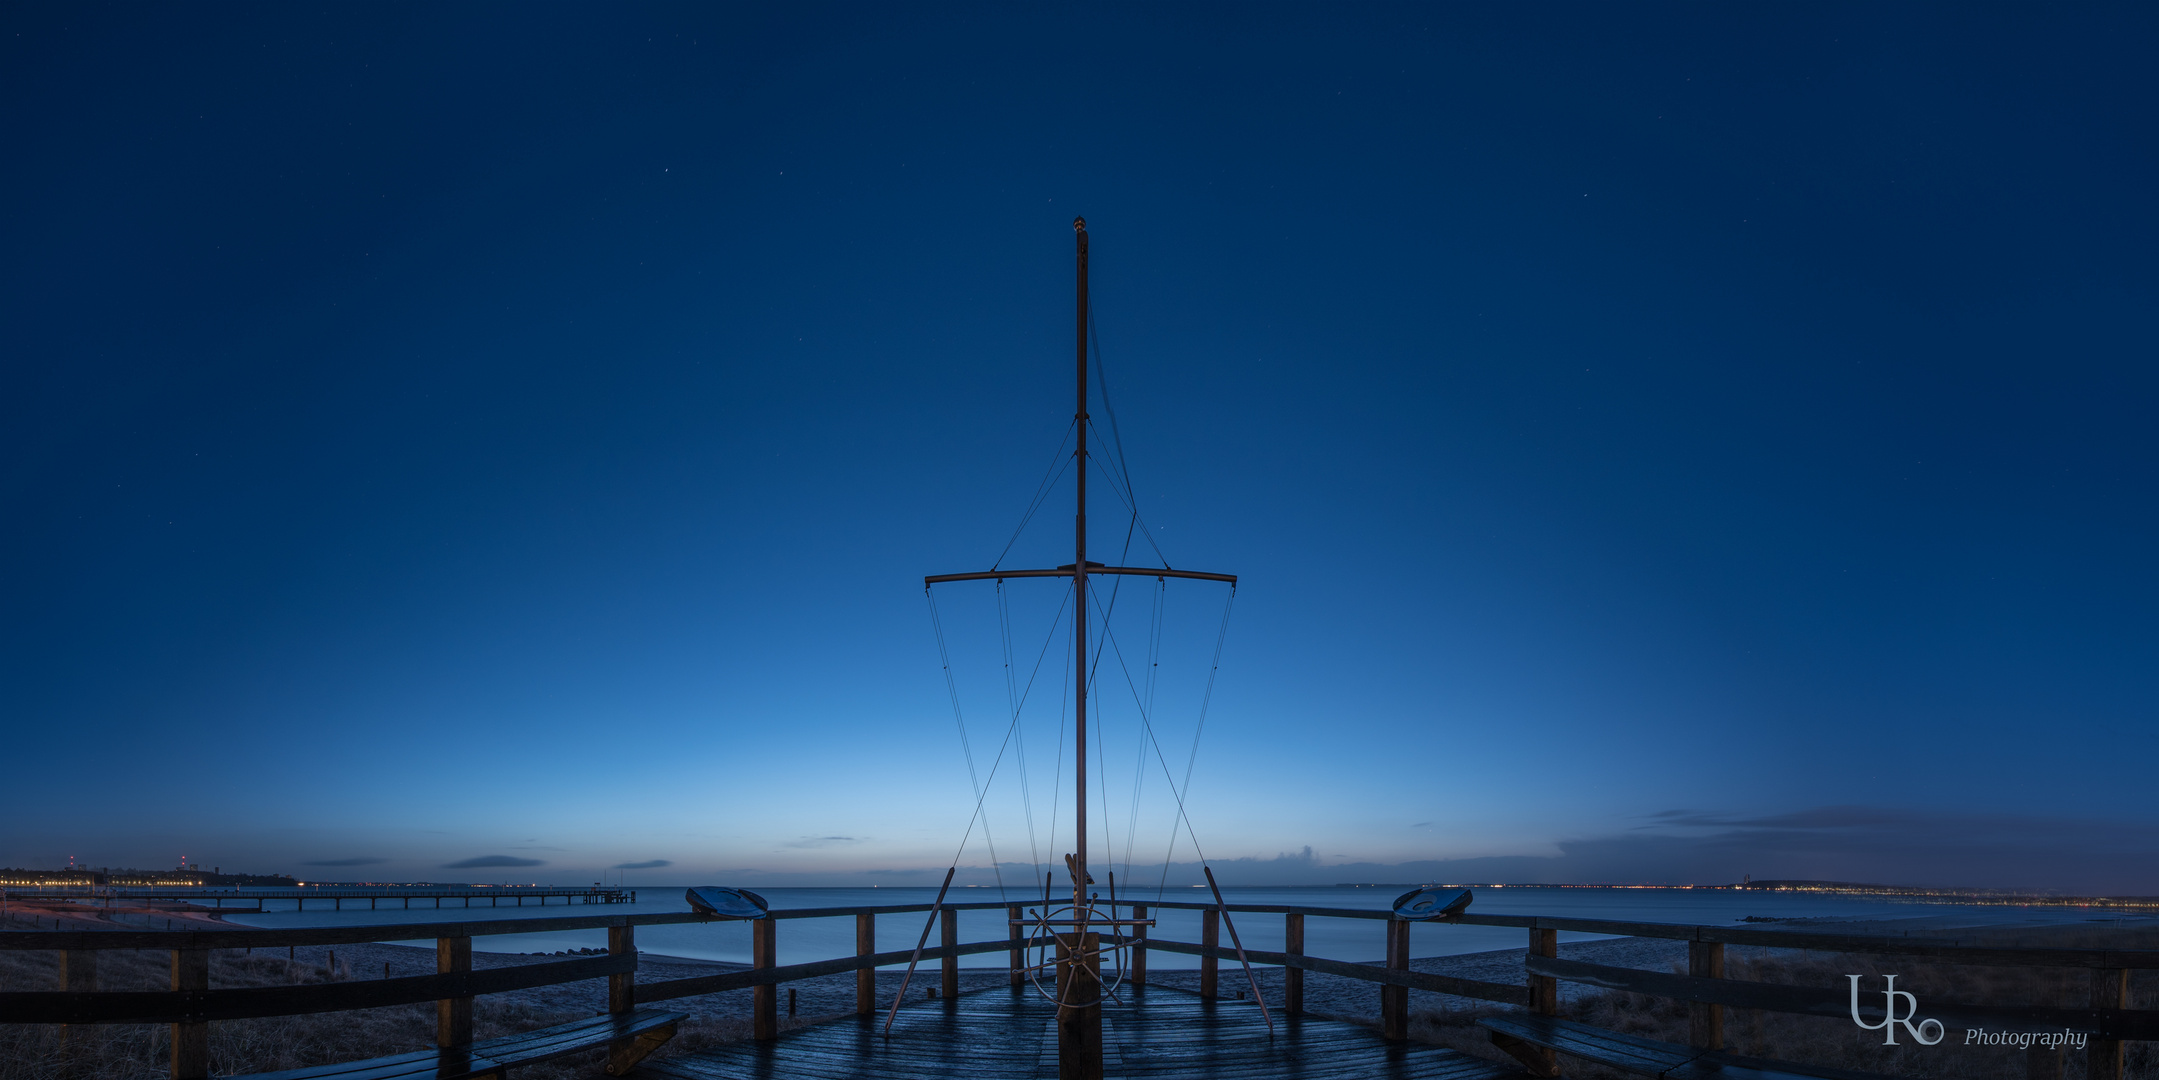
<point x="1027" y="804"/>
<point x="1148" y="725"/>
<point x="1011" y="730"/>
<point x="1057" y="773"/>
<point x="1113" y="448"/>
<point x="1101" y="377"/>
<point x="1124" y="496"/>
<point x="1058" y="464"/>
<point x="1220" y="635"/>
<point x="944" y="656"/>
<point x="1116" y="440"/>
<point x="1139" y="764"/>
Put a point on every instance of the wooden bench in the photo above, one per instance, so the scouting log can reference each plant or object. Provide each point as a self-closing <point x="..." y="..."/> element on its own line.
<point x="1650" y="1057"/>
<point x="642" y="1029"/>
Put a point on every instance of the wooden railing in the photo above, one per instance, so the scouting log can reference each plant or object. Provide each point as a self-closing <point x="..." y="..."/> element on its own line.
<point x="191" y="1005"/>
<point x="2107" y="1022"/>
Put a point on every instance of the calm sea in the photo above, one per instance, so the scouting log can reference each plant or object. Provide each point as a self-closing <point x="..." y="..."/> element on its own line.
<point x="803" y="940"/>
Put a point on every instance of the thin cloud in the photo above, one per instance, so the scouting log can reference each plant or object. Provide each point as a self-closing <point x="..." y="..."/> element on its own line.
<point x="822" y="841"/>
<point x="648" y="864"/>
<point x="487" y="862"/>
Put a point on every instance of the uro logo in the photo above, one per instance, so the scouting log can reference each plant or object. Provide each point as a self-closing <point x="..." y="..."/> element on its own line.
<point x="1890" y="1021"/>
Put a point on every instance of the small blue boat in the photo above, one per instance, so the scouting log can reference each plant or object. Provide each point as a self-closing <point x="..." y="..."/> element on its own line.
<point x="721" y="902"/>
<point x="1431" y="903"/>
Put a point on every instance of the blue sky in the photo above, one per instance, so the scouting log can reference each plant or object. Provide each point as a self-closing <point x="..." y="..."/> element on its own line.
<point x="1658" y="443"/>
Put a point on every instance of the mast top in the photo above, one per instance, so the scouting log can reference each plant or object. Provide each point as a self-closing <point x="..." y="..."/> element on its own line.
<point x="1079" y="224"/>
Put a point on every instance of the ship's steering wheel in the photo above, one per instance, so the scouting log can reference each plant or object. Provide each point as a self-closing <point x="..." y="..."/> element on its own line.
<point x="1041" y="945"/>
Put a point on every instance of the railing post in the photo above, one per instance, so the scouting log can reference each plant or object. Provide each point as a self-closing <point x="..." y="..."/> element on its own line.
<point x="949" y="937"/>
<point x="1139" y="951"/>
<point x="1543" y="999"/>
<point x="765" y="999"/>
<point x="622" y="998"/>
<point x="191" y="1042"/>
<point x="1292" y="977"/>
<point x="78" y="972"/>
<point x="1705" y="1021"/>
<point x="2110" y="990"/>
<point x="2042" y="1062"/>
<point x="865" y="978"/>
<point x="1394" y="1000"/>
<point x="622" y="988"/>
<point x="1210" y="938"/>
<point x="1018" y="959"/>
<point x="453" y="1015"/>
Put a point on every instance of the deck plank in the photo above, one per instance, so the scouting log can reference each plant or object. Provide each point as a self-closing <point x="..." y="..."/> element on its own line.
<point x="1166" y="1034"/>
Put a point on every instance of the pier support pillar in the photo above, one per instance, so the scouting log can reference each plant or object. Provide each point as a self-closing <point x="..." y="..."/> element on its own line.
<point x="191" y="1042"/>
<point x="1705" y="1022"/>
<point x="764" y="1000"/>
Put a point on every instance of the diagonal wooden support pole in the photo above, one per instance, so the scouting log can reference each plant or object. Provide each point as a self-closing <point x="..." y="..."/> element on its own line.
<point x="1249" y="977"/>
<point x="927" y="925"/>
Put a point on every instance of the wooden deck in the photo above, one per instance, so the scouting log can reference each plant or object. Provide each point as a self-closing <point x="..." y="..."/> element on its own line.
<point x="1169" y="1035"/>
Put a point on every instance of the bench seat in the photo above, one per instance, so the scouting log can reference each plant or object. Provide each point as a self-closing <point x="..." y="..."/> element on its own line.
<point x="645" y="1028"/>
<point x="1651" y="1057"/>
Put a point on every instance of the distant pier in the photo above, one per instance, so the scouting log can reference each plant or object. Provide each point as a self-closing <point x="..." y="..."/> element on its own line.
<point x="275" y="899"/>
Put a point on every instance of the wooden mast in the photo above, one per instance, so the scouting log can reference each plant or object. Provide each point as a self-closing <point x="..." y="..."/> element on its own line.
<point x="1079" y="1027"/>
<point x="1079" y="959"/>
<point x="1079" y="605"/>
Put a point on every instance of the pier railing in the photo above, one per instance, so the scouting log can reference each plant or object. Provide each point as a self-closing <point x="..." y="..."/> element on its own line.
<point x="191" y="1005"/>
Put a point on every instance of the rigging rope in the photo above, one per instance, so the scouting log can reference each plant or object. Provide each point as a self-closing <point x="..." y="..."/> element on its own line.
<point x="1011" y="730"/>
<point x="1125" y="496"/>
<point x="1094" y="339"/>
<point x="1057" y="773"/>
<point x="1148" y="726"/>
<point x="1027" y="803"/>
<point x="1058" y="464"/>
<point x="944" y="656"/>
<point x="1139" y="764"/>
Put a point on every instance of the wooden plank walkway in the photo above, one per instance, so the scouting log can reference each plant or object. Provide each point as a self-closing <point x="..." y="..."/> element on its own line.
<point x="1169" y="1035"/>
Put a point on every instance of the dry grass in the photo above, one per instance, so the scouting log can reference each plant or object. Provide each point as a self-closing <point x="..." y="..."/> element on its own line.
<point x="142" y="1051"/>
<point x="241" y="1047"/>
<point x="1834" y="1042"/>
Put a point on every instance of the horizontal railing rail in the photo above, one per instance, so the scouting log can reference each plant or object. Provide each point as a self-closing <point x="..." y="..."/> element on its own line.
<point x="192" y="1005"/>
<point x="1817" y="1001"/>
<point x="742" y="980"/>
<point x="242" y="1003"/>
<point x="1505" y="993"/>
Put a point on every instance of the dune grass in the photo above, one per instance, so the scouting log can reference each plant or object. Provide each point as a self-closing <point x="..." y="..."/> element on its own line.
<point x="1833" y="1042"/>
